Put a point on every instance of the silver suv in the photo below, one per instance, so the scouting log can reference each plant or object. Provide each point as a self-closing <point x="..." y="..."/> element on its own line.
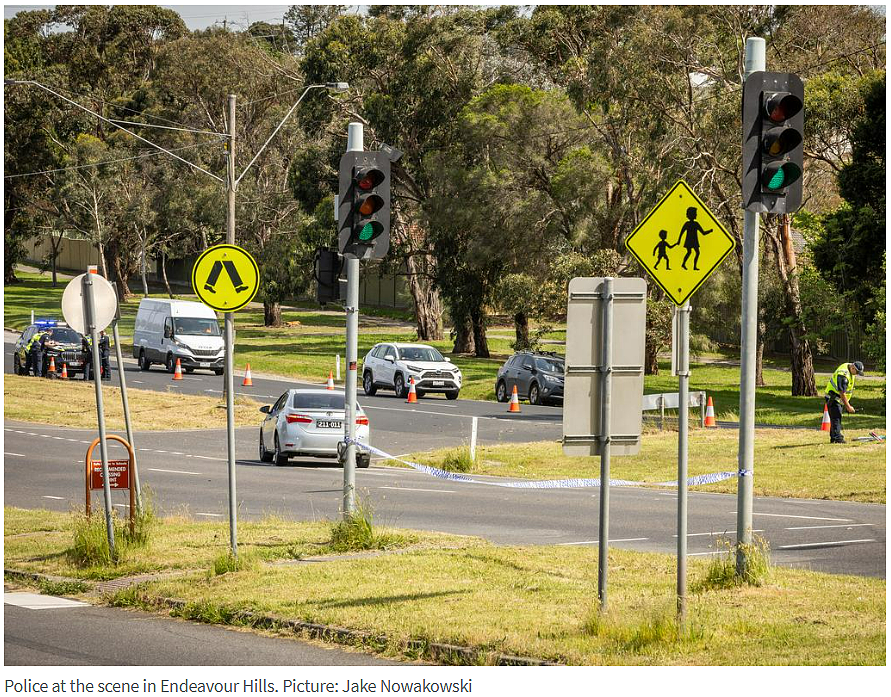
<point x="390" y="365"/>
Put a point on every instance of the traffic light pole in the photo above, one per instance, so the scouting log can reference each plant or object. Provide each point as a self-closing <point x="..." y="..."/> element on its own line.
<point x="755" y="62"/>
<point x="354" y="144"/>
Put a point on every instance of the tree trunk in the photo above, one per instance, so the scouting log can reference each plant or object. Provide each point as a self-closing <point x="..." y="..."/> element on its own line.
<point x="651" y="359"/>
<point x="759" y="349"/>
<point x="142" y="271"/>
<point x="272" y="314"/>
<point x="803" y="380"/>
<point x="164" y="274"/>
<point x="120" y="278"/>
<point x="428" y="308"/>
<point x="521" y="326"/>
<point x="103" y="267"/>
<point x="463" y="336"/>
<point x="480" y="344"/>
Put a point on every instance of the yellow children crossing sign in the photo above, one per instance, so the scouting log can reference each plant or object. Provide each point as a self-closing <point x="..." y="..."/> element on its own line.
<point x="680" y="243"/>
<point x="225" y="277"/>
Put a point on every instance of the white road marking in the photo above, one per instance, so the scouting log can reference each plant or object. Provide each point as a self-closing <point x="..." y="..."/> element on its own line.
<point x="211" y="515"/>
<point x="137" y="382"/>
<point x="462" y="416"/>
<point x="120" y="505"/>
<point x="150" y="469"/>
<point x="55" y="498"/>
<point x="14" y="454"/>
<point x="824" y="544"/>
<point x="404" y="488"/>
<point x="206" y="457"/>
<point x="594" y="542"/>
<point x="821" y="527"/>
<point x="704" y="554"/>
<point x="36" y="601"/>
<point x="804" y="517"/>
<point x="726" y="532"/>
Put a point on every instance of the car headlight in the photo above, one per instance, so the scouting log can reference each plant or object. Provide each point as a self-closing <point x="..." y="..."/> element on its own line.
<point x="180" y="344"/>
<point x="552" y="378"/>
<point x="412" y="368"/>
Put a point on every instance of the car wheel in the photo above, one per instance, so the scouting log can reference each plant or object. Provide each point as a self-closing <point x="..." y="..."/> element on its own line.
<point x="534" y="394"/>
<point x="170" y="364"/>
<point x="363" y="460"/>
<point x="419" y="393"/>
<point x="190" y="370"/>
<point x="368" y="384"/>
<point x="399" y="385"/>
<point x="501" y="391"/>
<point x="16" y="366"/>
<point x="217" y="371"/>
<point x="278" y="457"/>
<point x="144" y="363"/>
<point x="265" y="455"/>
<point x="452" y="394"/>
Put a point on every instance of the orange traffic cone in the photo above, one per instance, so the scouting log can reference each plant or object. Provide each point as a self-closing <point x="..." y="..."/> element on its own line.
<point x="514" y="402"/>
<point x="412" y="392"/>
<point x="64" y="371"/>
<point x="826" y="425"/>
<point x="247" y="382"/>
<point x="52" y="367"/>
<point x="178" y="373"/>
<point x="710" y="415"/>
<point x="330" y="385"/>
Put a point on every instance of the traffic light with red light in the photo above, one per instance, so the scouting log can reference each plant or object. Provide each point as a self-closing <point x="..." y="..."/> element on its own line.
<point x="364" y="209"/>
<point x="773" y="131"/>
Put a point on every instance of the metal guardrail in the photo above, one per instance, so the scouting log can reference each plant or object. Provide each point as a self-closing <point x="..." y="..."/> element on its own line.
<point x="671" y="400"/>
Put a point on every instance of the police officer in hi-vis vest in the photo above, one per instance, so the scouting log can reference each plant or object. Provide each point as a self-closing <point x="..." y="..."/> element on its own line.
<point x="839" y="391"/>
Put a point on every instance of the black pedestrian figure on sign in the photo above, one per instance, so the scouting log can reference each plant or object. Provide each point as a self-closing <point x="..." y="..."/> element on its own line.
<point x="692" y="229"/>
<point x="214" y="276"/>
<point x="661" y="250"/>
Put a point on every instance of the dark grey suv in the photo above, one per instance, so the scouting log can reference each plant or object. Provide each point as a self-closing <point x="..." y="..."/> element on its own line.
<point x="538" y="377"/>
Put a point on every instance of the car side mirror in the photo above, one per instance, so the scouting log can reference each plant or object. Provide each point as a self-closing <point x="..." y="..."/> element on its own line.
<point x="528" y="366"/>
<point x="447" y="359"/>
<point x="265" y="409"/>
<point x="390" y="358"/>
<point x="168" y="333"/>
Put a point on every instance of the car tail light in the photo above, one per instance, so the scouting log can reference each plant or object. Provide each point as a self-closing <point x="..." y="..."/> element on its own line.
<point x="361" y="420"/>
<point x="298" y="419"/>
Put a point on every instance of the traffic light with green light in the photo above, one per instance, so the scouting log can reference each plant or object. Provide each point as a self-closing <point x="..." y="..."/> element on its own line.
<point x="364" y="209"/>
<point x="773" y="131"/>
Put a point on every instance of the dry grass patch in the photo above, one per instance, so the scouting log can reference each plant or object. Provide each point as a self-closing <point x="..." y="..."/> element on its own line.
<point x="789" y="463"/>
<point x="73" y="404"/>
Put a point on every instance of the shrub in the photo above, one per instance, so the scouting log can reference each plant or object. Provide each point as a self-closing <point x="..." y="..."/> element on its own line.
<point x="722" y="572"/>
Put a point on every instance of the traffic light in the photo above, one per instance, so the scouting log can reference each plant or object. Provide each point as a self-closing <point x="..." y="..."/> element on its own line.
<point x="326" y="270"/>
<point x="773" y="130"/>
<point x="363" y="213"/>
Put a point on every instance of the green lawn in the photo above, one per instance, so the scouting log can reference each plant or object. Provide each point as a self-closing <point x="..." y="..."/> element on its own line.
<point x="528" y="601"/>
<point x="307" y="351"/>
<point x="788" y="463"/>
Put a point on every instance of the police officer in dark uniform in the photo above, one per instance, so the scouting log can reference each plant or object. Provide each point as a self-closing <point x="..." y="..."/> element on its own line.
<point x="87" y="350"/>
<point x="35" y="354"/>
<point x="104" y="349"/>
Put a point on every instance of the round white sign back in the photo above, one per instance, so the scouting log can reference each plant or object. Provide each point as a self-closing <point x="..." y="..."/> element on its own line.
<point x="105" y="302"/>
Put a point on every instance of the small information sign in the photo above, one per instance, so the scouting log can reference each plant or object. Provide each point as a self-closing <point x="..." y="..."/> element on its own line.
<point x="118" y="474"/>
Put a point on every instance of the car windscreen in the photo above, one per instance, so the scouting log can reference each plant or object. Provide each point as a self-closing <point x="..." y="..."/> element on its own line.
<point x="549" y="365"/>
<point x="64" y="335"/>
<point x="196" y="325"/>
<point x="330" y="402"/>
<point x="420" y="353"/>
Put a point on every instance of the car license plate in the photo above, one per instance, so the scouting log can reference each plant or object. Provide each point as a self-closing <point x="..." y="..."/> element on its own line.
<point x="204" y="365"/>
<point x="329" y="424"/>
<point x="438" y="383"/>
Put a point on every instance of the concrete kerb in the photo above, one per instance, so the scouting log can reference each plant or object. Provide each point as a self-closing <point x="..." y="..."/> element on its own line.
<point x="313" y="630"/>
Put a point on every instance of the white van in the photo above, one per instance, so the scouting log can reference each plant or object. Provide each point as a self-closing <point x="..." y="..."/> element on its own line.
<point x="169" y="329"/>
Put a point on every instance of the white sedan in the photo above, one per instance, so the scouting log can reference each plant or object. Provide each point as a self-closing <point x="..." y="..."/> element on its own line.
<point x="308" y="423"/>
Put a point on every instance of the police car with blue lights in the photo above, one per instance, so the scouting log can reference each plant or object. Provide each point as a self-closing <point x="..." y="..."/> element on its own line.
<point x="62" y="344"/>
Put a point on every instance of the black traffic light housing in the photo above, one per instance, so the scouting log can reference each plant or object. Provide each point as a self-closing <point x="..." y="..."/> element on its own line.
<point x="363" y="213"/>
<point x="773" y="131"/>
<point x="327" y="266"/>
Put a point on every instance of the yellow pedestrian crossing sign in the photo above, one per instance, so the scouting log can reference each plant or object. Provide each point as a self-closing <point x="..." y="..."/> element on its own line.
<point x="225" y="277"/>
<point x="680" y="243"/>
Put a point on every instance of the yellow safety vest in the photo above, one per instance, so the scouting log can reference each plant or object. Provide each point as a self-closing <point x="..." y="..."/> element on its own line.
<point x="832" y="385"/>
<point x="33" y="339"/>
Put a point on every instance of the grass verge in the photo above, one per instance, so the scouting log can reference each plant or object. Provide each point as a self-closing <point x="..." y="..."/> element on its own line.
<point x="73" y="404"/>
<point x="525" y="601"/>
<point x="788" y="463"/>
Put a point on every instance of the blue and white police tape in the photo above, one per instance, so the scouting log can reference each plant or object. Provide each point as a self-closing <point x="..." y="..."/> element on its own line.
<point x="541" y="484"/>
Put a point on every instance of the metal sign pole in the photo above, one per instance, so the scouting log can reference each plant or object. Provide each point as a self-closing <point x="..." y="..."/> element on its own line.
<point x="354" y="143"/>
<point x="89" y="317"/>
<point x="229" y="326"/>
<point x="683" y="427"/>
<point x="127" y="422"/>
<point x="605" y="432"/>
<point x="755" y="62"/>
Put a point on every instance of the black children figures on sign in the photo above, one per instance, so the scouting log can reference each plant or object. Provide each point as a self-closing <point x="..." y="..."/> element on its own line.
<point x="691" y="229"/>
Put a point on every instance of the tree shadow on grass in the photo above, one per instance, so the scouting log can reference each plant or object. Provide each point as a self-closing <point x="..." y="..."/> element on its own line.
<point x="386" y="600"/>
